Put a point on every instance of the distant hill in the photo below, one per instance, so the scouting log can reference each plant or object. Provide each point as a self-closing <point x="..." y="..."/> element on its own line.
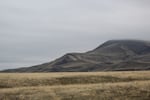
<point x="113" y="55"/>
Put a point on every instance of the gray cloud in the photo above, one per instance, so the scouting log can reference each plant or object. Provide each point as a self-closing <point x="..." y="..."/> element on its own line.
<point x="37" y="31"/>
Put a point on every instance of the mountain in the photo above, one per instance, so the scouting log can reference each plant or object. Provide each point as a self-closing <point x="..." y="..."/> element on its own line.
<point x="113" y="55"/>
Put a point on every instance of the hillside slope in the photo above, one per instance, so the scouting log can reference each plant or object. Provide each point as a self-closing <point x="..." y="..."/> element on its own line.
<point x="113" y="55"/>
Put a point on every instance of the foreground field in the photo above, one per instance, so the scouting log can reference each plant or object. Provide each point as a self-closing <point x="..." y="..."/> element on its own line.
<point x="75" y="86"/>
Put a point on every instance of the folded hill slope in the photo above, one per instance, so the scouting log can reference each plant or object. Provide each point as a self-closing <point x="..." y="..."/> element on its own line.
<point x="113" y="55"/>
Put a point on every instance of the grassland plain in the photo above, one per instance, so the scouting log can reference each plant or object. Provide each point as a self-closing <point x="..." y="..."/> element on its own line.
<point x="133" y="85"/>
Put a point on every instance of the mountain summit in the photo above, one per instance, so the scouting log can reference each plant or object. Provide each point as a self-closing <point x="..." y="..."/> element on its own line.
<point x="113" y="55"/>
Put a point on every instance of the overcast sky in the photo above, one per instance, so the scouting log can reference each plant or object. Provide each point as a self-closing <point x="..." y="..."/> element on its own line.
<point x="38" y="31"/>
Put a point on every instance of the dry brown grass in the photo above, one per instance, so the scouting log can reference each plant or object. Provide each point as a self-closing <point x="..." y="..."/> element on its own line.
<point x="75" y="86"/>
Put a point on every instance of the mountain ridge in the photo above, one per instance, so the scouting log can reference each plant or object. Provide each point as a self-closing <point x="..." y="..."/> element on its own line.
<point x="112" y="55"/>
